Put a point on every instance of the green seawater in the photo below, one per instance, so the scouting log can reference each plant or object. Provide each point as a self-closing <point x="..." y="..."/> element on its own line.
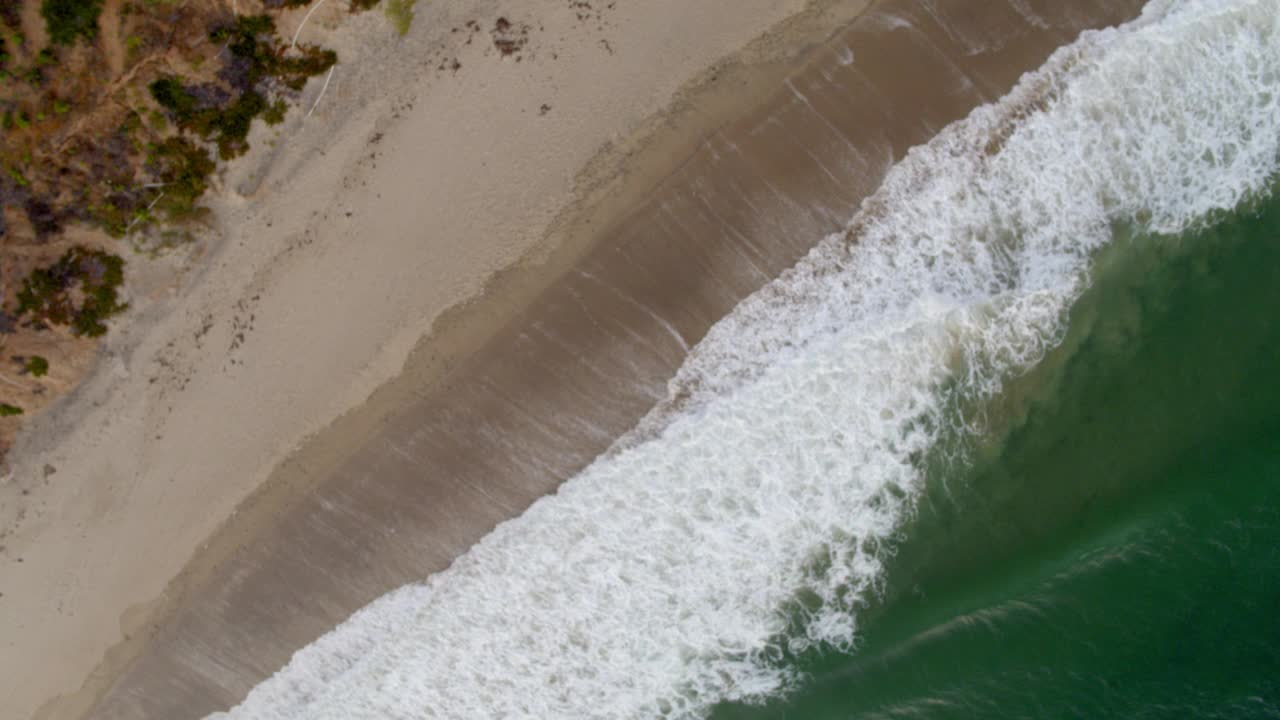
<point x="1111" y="548"/>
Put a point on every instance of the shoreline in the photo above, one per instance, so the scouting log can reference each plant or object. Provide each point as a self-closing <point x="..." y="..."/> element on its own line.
<point x="616" y="180"/>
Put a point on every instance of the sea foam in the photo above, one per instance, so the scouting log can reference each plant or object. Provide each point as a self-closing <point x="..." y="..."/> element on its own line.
<point x="750" y="514"/>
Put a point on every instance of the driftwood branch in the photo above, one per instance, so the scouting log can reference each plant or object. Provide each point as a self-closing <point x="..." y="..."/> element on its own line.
<point x="294" y="42"/>
<point x="326" y="87"/>
<point x="153" y="204"/>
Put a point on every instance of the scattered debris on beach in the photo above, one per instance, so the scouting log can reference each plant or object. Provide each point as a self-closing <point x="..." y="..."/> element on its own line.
<point x="509" y="38"/>
<point x="588" y="13"/>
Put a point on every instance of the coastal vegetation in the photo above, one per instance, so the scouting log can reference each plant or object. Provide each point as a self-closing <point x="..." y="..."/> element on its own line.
<point x="80" y="290"/>
<point x="223" y="113"/>
<point x="69" y="20"/>
<point x="36" y="366"/>
<point x="115" y="117"/>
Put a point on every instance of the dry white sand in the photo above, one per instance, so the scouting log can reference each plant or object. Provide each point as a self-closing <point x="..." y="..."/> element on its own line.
<point x="339" y="241"/>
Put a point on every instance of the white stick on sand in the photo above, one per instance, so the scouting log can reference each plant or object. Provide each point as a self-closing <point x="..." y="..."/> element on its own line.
<point x="327" y="78"/>
<point x="294" y="43"/>
<point x="153" y="204"/>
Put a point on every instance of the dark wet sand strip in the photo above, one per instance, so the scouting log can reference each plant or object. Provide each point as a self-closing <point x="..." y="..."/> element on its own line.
<point x="593" y="353"/>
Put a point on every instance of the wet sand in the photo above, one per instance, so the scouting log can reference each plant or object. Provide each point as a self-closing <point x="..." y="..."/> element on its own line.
<point x="483" y="422"/>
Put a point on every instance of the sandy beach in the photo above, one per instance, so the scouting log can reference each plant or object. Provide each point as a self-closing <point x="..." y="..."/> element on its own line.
<point x="459" y="278"/>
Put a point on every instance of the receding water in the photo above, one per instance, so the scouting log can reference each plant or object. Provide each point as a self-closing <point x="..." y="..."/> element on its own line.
<point x="1117" y="552"/>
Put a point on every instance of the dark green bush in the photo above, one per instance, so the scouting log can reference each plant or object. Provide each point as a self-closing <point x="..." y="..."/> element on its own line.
<point x="184" y="168"/>
<point x="172" y="96"/>
<point x="244" y="41"/>
<point x="111" y="217"/>
<point x="231" y="125"/>
<point x="275" y="112"/>
<point x="227" y="126"/>
<point x="256" y="59"/>
<point x="250" y="38"/>
<point x="181" y="171"/>
<point x="68" y="20"/>
<point x="294" y="71"/>
<point x="7" y="410"/>
<point x="36" y="366"/>
<point x="92" y="277"/>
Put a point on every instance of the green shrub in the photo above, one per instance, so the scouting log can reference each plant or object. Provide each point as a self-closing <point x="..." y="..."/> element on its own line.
<point x="7" y="410"/>
<point x="180" y="169"/>
<point x="92" y="277"/>
<point x="68" y="20"/>
<point x="36" y="366"/>
<point x="231" y="125"/>
<point x="184" y="168"/>
<point x="228" y="126"/>
<point x="172" y="96"/>
<point x="242" y="40"/>
<point x="133" y="45"/>
<point x="294" y="71"/>
<point x="113" y="218"/>
<point x="250" y="38"/>
<point x="16" y="175"/>
<point x="274" y="114"/>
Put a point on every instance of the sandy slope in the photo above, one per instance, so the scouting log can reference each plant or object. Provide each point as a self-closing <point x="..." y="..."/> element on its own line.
<point x="342" y="237"/>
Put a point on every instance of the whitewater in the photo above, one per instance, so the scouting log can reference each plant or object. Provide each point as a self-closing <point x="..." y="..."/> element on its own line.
<point x="750" y="514"/>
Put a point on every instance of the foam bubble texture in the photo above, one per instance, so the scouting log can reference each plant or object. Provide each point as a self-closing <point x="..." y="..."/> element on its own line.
<point x="670" y="574"/>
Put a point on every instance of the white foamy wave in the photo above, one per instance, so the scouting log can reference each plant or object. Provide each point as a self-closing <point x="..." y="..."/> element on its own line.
<point x="1153" y="125"/>
<point x="670" y="575"/>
